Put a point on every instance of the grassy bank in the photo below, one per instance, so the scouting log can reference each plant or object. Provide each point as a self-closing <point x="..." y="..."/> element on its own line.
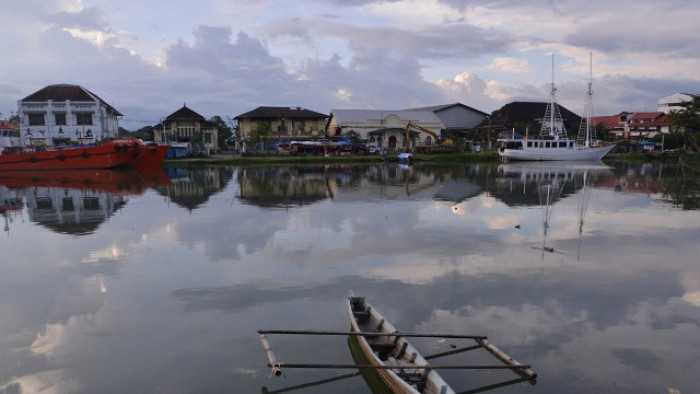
<point x="442" y="158"/>
<point x="258" y="159"/>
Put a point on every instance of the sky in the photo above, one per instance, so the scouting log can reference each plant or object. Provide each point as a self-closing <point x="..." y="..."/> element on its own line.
<point x="227" y="57"/>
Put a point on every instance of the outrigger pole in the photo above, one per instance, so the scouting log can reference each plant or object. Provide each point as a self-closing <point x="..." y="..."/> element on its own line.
<point x="372" y="334"/>
<point x="509" y="363"/>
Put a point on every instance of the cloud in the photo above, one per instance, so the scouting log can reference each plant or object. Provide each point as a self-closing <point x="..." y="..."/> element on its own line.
<point x="225" y="59"/>
<point x="511" y="65"/>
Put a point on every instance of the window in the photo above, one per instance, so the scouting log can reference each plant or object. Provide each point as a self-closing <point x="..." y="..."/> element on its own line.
<point x="36" y="119"/>
<point x="83" y="119"/>
<point x="60" y="119"/>
<point x="91" y="203"/>
<point x="207" y="138"/>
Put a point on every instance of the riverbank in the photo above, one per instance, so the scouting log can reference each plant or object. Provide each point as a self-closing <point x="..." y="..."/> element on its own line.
<point x="442" y="158"/>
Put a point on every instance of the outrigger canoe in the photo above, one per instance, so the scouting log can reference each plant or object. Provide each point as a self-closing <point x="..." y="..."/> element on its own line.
<point x="386" y="351"/>
<point x="393" y="351"/>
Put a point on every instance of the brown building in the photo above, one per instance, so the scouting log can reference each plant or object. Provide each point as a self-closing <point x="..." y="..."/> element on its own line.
<point x="284" y="122"/>
<point x="187" y="126"/>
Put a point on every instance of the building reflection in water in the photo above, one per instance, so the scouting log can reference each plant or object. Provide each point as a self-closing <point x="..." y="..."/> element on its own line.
<point x="285" y="187"/>
<point x="74" y="201"/>
<point x="191" y="188"/>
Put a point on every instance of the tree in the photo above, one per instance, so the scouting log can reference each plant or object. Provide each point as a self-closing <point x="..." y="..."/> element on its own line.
<point x="602" y="133"/>
<point x="688" y="120"/>
<point x="262" y="132"/>
<point x="225" y="132"/>
<point x="354" y="136"/>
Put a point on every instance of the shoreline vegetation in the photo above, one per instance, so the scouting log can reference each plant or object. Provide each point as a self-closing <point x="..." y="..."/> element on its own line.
<point x="442" y="158"/>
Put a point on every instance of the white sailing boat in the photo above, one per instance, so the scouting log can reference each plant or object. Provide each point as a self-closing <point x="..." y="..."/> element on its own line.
<point x="553" y="142"/>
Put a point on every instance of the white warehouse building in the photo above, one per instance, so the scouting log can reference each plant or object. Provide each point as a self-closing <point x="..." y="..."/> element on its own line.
<point x="66" y="114"/>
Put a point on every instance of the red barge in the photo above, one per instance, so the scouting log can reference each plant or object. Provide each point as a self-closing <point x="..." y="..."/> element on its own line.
<point x="115" y="153"/>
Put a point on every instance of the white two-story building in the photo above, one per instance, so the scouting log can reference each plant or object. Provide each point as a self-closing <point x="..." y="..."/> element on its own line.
<point x="66" y="114"/>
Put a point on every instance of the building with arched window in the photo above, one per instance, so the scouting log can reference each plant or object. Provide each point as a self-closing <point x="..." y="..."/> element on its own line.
<point x="387" y="128"/>
<point x="187" y="126"/>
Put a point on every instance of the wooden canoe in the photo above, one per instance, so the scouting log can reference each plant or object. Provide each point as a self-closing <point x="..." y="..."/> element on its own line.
<point x="408" y="377"/>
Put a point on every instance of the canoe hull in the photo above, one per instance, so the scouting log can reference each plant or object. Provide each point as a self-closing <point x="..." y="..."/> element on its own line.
<point x="392" y="350"/>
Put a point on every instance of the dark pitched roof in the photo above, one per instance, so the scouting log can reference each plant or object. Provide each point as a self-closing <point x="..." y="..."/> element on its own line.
<point x="185" y="113"/>
<point x="528" y="113"/>
<point x="281" y="112"/>
<point x="63" y="92"/>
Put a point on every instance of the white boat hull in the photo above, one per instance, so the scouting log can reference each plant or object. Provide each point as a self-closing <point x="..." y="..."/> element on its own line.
<point x="576" y="153"/>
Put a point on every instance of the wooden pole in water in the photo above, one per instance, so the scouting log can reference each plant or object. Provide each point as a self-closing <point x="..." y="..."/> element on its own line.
<point x="396" y="367"/>
<point x="371" y="334"/>
<point x="524" y="371"/>
<point x="270" y="355"/>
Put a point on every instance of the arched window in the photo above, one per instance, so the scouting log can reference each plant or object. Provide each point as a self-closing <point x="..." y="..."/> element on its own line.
<point x="392" y="142"/>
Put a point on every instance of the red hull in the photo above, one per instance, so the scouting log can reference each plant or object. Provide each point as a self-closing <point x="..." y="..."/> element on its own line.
<point x="150" y="156"/>
<point x="111" y="154"/>
<point x="125" y="182"/>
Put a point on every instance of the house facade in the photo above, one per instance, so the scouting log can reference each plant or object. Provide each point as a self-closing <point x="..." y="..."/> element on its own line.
<point x="631" y="125"/>
<point x="284" y="123"/>
<point x="64" y="114"/>
<point x="187" y="126"/>
<point x="674" y="102"/>
<point x="384" y="128"/>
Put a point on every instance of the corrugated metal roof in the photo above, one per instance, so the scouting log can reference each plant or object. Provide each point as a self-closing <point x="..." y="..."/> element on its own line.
<point x="438" y="108"/>
<point x="364" y="115"/>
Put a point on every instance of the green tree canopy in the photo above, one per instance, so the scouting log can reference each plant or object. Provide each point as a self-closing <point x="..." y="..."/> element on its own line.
<point x="688" y="118"/>
<point x="225" y="131"/>
<point x="262" y="132"/>
<point x="687" y="121"/>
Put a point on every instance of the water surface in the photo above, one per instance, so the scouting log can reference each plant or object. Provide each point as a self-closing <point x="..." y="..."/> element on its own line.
<point x="157" y="283"/>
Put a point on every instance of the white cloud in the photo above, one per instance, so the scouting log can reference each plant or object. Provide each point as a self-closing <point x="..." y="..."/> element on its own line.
<point x="229" y="57"/>
<point x="511" y="65"/>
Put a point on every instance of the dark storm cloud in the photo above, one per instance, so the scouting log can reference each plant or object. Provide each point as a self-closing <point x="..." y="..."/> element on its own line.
<point x="434" y="42"/>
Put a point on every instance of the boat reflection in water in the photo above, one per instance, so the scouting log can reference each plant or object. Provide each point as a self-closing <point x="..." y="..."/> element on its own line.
<point x="74" y="201"/>
<point x="545" y="183"/>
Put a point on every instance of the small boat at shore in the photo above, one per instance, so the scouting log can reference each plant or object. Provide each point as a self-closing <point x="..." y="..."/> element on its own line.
<point x="124" y="152"/>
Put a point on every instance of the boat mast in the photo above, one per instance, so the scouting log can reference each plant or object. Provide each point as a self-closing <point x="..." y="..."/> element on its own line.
<point x="586" y="131"/>
<point x="552" y="124"/>
<point x="552" y="98"/>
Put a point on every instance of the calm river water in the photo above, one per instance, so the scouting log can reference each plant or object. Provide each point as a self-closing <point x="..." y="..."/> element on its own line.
<point x="115" y="282"/>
